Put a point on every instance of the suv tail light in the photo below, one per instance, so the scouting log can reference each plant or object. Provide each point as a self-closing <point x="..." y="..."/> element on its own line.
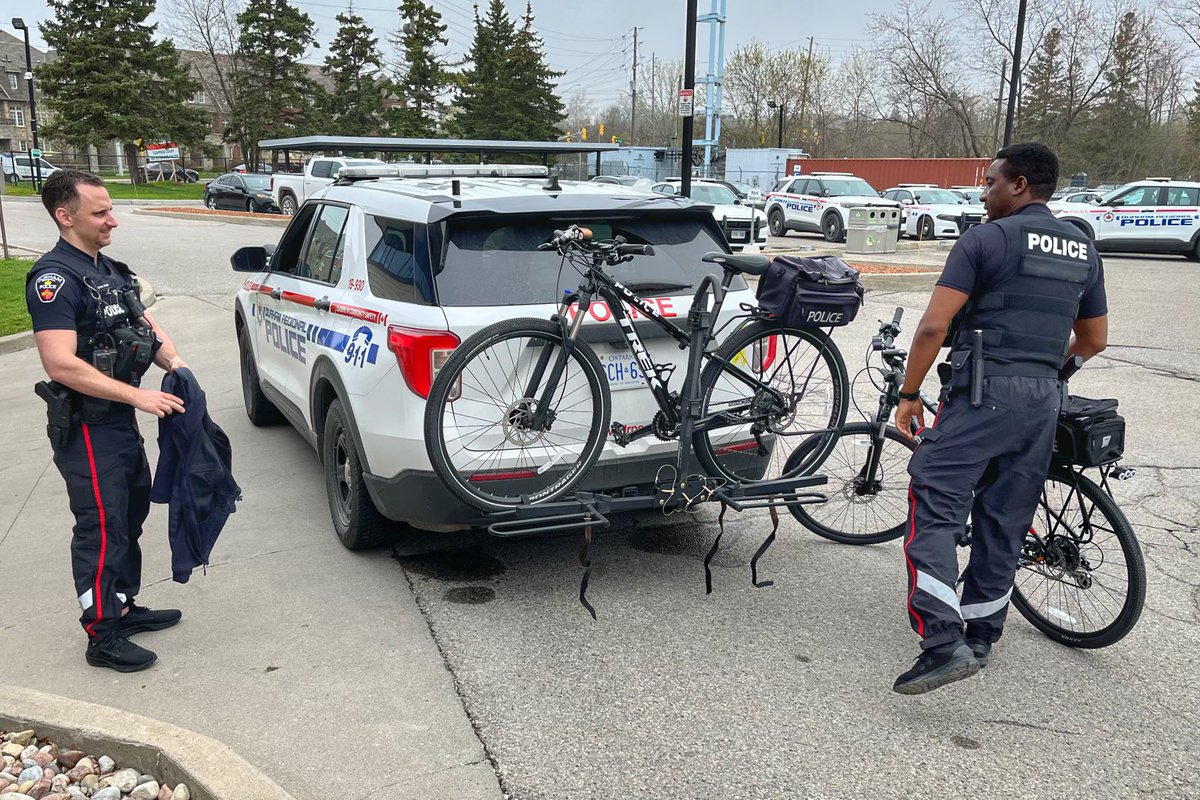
<point x="420" y="354"/>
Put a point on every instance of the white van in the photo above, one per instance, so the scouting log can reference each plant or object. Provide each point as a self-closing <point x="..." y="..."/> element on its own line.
<point x="19" y="166"/>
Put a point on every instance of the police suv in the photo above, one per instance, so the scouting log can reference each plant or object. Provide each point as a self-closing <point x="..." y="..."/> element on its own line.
<point x="1157" y="215"/>
<point x="931" y="212"/>
<point x="819" y="202"/>
<point x="344" y="324"/>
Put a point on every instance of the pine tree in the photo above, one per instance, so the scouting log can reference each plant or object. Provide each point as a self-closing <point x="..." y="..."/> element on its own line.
<point x="355" y="105"/>
<point x="487" y="107"/>
<point x="421" y="75"/>
<point x="275" y="95"/>
<point x="1117" y="129"/>
<point x="1045" y="103"/>
<point x="537" y="103"/>
<point x="111" y="80"/>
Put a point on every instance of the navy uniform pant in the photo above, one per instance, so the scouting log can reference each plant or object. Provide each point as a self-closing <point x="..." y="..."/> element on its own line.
<point x="989" y="462"/>
<point x="108" y="484"/>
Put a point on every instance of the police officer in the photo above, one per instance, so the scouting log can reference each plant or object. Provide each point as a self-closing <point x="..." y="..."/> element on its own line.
<point x="1024" y="292"/>
<point x="96" y="340"/>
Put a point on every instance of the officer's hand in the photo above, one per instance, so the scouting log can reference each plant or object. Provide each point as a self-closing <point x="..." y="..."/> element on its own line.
<point x="176" y="363"/>
<point x="906" y="412"/>
<point x="157" y="403"/>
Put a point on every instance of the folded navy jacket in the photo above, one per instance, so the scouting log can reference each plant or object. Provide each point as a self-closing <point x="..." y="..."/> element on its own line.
<point x="194" y="475"/>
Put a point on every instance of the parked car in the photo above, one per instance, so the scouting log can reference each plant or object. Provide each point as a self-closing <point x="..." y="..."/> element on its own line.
<point x="261" y="168"/>
<point x="343" y="326"/>
<point x="972" y="194"/>
<point x="1089" y="196"/>
<point x="741" y="223"/>
<point x="292" y="190"/>
<point x="820" y="203"/>
<point x="246" y="192"/>
<point x="1157" y="215"/>
<point x="931" y="213"/>
<point x="20" y="167"/>
<point x="169" y="171"/>
<point x="632" y="181"/>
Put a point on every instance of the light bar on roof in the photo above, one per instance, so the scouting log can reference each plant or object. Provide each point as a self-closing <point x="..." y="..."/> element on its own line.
<point x="443" y="171"/>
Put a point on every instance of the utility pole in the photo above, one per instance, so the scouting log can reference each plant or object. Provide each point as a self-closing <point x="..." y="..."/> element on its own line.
<point x="689" y="82"/>
<point x="804" y="91"/>
<point x="633" y="92"/>
<point x="999" y="101"/>
<point x="1014" y="81"/>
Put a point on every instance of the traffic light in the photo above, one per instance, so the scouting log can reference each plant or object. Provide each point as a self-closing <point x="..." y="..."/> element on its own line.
<point x="614" y="139"/>
<point x="601" y="128"/>
<point x="569" y="135"/>
<point x="583" y="134"/>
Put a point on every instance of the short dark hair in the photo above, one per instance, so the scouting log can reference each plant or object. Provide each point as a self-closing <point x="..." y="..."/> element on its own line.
<point x="61" y="190"/>
<point x="1036" y="162"/>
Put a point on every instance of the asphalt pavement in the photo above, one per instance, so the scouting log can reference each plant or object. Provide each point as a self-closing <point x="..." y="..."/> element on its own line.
<point x="467" y="667"/>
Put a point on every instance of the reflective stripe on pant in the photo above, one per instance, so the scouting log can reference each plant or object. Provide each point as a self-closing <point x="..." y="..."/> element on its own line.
<point x="108" y="485"/>
<point x="989" y="462"/>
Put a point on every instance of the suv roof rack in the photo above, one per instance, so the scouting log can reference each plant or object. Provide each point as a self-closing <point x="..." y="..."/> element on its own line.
<point x="1159" y="180"/>
<point x="365" y="173"/>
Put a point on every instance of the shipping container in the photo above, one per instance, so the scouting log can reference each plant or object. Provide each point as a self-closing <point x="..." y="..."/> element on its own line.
<point x="884" y="173"/>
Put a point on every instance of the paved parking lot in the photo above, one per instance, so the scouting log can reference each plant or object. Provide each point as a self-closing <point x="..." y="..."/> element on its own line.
<point x="468" y="662"/>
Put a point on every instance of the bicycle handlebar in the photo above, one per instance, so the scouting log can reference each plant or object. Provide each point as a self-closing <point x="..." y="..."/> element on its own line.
<point x="576" y="236"/>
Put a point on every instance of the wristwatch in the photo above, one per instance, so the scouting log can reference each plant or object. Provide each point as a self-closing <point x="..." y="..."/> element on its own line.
<point x="910" y="395"/>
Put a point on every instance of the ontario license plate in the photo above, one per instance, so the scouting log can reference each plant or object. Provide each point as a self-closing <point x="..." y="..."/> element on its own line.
<point x="622" y="370"/>
<point x="739" y="235"/>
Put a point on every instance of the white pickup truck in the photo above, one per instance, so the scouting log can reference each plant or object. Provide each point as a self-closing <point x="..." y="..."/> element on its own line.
<point x="319" y="172"/>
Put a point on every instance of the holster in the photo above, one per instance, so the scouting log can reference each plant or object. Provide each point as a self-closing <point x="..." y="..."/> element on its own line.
<point x="60" y="415"/>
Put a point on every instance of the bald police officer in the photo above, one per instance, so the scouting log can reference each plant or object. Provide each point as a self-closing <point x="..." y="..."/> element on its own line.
<point x="1018" y="297"/>
<point x="96" y="341"/>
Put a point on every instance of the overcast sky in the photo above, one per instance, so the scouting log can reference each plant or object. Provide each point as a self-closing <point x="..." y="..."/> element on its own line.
<point x="592" y="41"/>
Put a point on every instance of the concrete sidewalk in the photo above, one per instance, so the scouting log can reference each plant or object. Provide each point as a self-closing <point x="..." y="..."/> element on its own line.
<point x="273" y="657"/>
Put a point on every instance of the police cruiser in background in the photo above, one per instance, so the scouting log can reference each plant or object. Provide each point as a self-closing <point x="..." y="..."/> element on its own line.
<point x="742" y="223"/>
<point x="344" y="324"/>
<point x="930" y="212"/>
<point x="1157" y="215"/>
<point x="819" y="202"/>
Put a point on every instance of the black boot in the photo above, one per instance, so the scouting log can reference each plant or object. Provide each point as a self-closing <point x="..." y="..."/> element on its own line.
<point x="140" y="620"/>
<point x="936" y="668"/>
<point x="117" y="652"/>
<point x="981" y="649"/>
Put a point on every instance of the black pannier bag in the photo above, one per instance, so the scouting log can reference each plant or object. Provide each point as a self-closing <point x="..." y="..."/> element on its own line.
<point x="1090" y="432"/>
<point x="810" y="292"/>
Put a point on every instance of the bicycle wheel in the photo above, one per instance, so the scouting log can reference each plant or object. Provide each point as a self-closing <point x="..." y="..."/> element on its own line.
<point x="478" y="430"/>
<point x="804" y="366"/>
<point x="1084" y="584"/>
<point x="858" y="512"/>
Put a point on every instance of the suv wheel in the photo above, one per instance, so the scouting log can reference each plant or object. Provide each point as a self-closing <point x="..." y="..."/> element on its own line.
<point x="356" y="521"/>
<point x="1194" y="253"/>
<point x="259" y="409"/>
<point x="775" y="222"/>
<point x="831" y="226"/>
<point x="287" y="204"/>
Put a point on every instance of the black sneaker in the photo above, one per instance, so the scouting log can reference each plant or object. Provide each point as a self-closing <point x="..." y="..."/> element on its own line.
<point x="981" y="650"/>
<point x="140" y="620"/>
<point x="117" y="652"/>
<point x="934" y="669"/>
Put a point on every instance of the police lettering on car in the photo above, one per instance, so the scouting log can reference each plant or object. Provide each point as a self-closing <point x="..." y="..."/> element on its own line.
<point x="1018" y="297"/>
<point x="96" y="341"/>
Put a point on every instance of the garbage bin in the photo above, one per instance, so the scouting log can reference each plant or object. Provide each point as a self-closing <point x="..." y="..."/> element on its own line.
<point x="872" y="230"/>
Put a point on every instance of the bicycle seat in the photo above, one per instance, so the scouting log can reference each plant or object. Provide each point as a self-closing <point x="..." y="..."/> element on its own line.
<point x="748" y="263"/>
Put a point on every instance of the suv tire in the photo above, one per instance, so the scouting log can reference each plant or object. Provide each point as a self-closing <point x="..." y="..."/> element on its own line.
<point x="775" y="222"/>
<point x="832" y="228"/>
<point x="287" y="204"/>
<point x="261" y="411"/>
<point x="356" y="521"/>
<point x="1194" y="253"/>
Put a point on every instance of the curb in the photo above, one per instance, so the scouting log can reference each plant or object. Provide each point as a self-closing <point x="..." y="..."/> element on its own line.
<point x="210" y="769"/>
<point x="278" y="222"/>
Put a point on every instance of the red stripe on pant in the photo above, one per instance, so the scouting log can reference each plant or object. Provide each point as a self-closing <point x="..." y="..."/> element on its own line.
<point x="912" y="571"/>
<point x="96" y="599"/>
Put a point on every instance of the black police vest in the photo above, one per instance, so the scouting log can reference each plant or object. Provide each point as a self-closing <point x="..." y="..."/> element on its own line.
<point x="1027" y="320"/>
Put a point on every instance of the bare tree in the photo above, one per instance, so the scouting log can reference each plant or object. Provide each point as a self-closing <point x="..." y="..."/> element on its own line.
<point x="210" y="29"/>
<point x="1184" y="15"/>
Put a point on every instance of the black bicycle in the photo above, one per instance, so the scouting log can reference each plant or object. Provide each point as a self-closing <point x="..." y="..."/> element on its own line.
<point x="521" y="410"/>
<point x="1081" y="577"/>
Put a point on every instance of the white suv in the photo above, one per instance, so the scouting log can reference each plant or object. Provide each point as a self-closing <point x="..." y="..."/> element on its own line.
<point x="1157" y="215"/>
<point x="343" y="326"/>
<point x="819" y="202"/>
<point x="741" y="223"/>
<point x="931" y="212"/>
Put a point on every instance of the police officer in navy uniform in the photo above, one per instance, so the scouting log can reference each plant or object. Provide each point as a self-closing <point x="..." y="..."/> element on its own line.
<point x="1018" y="297"/>
<point x="96" y="340"/>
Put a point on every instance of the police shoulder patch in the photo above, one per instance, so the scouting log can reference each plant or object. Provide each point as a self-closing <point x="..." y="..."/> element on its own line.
<point x="47" y="285"/>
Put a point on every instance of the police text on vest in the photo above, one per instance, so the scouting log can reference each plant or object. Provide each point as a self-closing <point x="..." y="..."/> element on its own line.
<point x="1058" y="247"/>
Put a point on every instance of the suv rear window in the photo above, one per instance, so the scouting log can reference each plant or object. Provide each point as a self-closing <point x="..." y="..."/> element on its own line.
<point x="496" y="262"/>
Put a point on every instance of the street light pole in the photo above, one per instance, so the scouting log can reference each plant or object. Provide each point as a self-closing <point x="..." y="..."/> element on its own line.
<point x="689" y="82"/>
<point x="771" y="104"/>
<point x="20" y="25"/>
